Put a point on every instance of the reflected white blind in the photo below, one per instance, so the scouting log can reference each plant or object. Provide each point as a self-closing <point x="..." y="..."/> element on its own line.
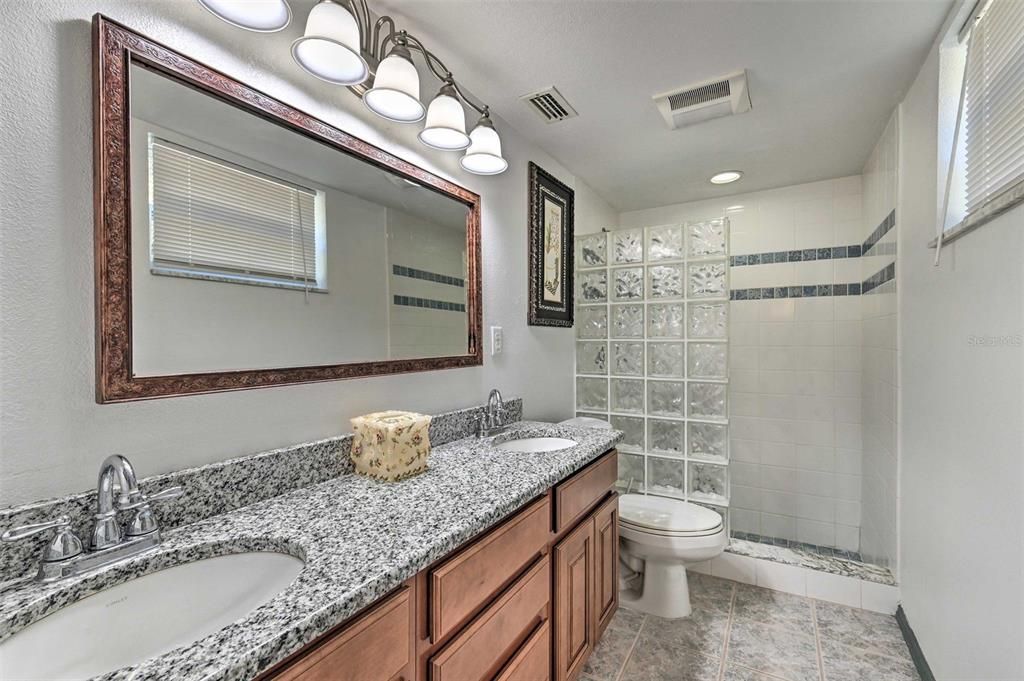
<point x="210" y="215"/>
<point x="994" y="103"/>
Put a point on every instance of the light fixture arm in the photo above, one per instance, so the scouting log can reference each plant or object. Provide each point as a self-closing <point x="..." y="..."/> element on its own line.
<point x="433" y="62"/>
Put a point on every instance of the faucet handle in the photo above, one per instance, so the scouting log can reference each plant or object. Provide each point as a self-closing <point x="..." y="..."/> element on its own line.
<point x="144" y="521"/>
<point x="65" y="543"/>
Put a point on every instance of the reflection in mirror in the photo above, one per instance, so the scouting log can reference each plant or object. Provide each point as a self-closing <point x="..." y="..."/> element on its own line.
<point x="256" y="247"/>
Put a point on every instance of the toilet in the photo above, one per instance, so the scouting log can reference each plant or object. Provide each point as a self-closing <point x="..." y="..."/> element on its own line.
<point x="658" y="537"/>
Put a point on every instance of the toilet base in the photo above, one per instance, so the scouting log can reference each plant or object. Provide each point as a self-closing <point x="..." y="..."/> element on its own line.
<point x="663" y="593"/>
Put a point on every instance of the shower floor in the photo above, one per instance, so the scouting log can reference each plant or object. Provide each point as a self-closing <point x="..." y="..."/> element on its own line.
<point x="827" y="551"/>
<point x="801" y="556"/>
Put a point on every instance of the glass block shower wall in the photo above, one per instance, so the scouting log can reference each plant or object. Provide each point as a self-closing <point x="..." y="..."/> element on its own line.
<point x="651" y="354"/>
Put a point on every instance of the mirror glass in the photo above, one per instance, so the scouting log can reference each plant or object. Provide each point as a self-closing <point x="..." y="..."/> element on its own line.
<point x="256" y="247"/>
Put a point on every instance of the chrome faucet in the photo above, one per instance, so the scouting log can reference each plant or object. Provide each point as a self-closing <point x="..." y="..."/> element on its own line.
<point x="492" y="421"/>
<point x="117" y="489"/>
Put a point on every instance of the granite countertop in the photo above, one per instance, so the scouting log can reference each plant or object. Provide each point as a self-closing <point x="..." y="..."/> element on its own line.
<point x="359" y="539"/>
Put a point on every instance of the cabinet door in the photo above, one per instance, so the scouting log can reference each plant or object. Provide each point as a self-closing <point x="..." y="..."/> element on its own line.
<point x="574" y="601"/>
<point x="606" y="563"/>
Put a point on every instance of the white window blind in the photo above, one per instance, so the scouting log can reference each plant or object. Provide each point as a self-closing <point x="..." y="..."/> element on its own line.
<point x="212" y="216"/>
<point x="993" y="117"/>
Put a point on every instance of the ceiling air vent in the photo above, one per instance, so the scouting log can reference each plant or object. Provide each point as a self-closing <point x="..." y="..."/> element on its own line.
<point x="703" y="101"/>
<point x="550" y="105"/>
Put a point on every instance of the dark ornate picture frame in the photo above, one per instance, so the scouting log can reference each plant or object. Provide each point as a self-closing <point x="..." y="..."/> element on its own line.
<point x="551" y="250"/>
<point x="115" y="48"/>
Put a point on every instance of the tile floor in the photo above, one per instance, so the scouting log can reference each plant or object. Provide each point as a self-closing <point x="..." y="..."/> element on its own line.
<point x="739" y="632"/>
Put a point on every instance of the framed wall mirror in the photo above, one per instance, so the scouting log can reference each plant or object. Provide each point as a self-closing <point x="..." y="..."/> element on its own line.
<point x="241" y="243"/>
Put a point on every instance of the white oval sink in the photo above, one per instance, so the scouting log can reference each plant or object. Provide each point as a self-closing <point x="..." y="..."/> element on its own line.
<point x="145" y="617"/>
<point x="536" y="444"/>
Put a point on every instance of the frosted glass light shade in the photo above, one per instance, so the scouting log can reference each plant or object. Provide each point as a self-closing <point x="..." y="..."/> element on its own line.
<point x="263" y="16"/>
<point x="329" y="49"/>
<point x="395" y="94"/>
<point x="445" y="128"/>
<point x="483" y="157"/>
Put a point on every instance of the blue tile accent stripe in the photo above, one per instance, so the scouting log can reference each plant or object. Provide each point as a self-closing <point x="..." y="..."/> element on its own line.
<point x="813" y="291"/>
<point x="883" y="275"/>
<point x="883" y="228"/>
<point x="411" y="301"/>
<point x="414" y="273"/>
<point x="803" y="255"/>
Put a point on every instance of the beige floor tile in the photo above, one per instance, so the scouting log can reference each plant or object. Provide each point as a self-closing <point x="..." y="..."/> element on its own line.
<point x="780" y="651"/>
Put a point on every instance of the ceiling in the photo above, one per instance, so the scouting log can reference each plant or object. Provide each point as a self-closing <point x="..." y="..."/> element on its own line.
<point x="823" y="76"/>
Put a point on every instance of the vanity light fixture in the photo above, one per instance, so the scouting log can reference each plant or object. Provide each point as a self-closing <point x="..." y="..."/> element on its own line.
<point x="330" y="47"/>
<point x="726" y="176"/>
<point x="262" y="16"/>
<point x="484" y="154"/>
<point x="342" y="45"/>
<point x="445" y="128"/>
<point x="395" y="94"/>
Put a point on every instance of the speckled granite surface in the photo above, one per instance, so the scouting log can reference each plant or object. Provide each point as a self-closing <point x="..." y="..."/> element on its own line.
<point x="359" y="539"/>
<point x="814" y="561"/>
<point x="220" y="487"/>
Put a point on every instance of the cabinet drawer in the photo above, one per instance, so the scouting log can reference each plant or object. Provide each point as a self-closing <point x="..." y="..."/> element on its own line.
<point x="575" y="496"/>
<point x="486" y="644"/>
<point x="463" y="583"/>
<point x="533" y="661"/>
<point x="378" y="646"/>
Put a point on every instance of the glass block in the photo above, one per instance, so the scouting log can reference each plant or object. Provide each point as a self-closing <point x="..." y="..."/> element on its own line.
<point x="665" y="281"/>
<point x="666" y="477"/>
<point x="707" y="360"/>
<point x="665" y="320"/>
<point x="665" y="243"/>
<point x="707" y="280"/>
<point x="627" y="321"/>
<point x="592" y="321"/>
<point x="631" y="473"/>
<point x="628" y="283"/>
<point x="665" y="360"/>
<point x="592" y="287"/>
<point x="592" y="250"/>
<point x="628" y="359"/>
<point x="592" y="393"/>
<point x="666" y="437"/>
<point x="707" y="400"/>
<point x="708" y="320"/>
<point x="706" y="238"/>
<point x="709" y="441"/>
<point x="708" y="482"/>
<point x="666" y="398"/>
<point x="632" y="428"/>
<point x="628" y="395"/>
<point x="592" y="358"/>
<point x="627" y="246"/>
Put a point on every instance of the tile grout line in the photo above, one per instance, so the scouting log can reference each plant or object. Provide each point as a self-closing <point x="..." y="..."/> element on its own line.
<point x="632" y="647"/>
<point x="728" y="630"/>
<point x="817" y="638"/>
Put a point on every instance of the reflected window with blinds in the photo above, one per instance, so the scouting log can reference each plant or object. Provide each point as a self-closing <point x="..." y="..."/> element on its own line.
<point x="214" y="219"/>
<point x="986" y="170"/>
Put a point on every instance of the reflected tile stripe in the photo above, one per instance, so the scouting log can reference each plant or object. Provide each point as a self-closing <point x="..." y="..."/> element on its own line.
<point x="887" y="273"/>
<point x="414" y="273"/>
<point x="883" y="228"/>
<point x="411" y="301"/>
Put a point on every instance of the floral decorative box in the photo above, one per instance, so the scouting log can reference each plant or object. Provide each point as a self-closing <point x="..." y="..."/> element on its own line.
<point x="390" y="445"/>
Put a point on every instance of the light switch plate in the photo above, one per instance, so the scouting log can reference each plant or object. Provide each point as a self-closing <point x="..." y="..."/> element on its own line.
<point x="497" y="340"/>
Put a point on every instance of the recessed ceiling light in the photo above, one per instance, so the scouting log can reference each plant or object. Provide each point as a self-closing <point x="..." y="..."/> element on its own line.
<point x="726" y="176"/>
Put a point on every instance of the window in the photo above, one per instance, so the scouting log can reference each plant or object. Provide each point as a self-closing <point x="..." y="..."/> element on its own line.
<point x="986" y="175"/>
<point x="209" y="217"/>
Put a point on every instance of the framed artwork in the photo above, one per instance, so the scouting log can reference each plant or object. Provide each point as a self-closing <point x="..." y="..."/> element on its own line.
<point x="551" y="250"/>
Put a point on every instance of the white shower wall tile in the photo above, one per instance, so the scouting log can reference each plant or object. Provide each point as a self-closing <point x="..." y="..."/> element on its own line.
<point x="795" y="364"/>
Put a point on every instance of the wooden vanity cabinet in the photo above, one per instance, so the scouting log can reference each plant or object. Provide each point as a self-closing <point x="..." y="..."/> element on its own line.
<point x="526" y="600"/>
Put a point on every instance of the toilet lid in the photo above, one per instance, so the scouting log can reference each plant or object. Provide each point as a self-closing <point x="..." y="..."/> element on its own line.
<point x="666" y="516"/>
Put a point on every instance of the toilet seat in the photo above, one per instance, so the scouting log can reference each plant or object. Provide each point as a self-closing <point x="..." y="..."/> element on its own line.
<point x="663" y="517"/>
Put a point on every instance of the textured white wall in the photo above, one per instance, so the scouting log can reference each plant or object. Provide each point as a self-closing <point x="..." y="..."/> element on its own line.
<point x="961" y="416"/>
<point x="52" y="433"/>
